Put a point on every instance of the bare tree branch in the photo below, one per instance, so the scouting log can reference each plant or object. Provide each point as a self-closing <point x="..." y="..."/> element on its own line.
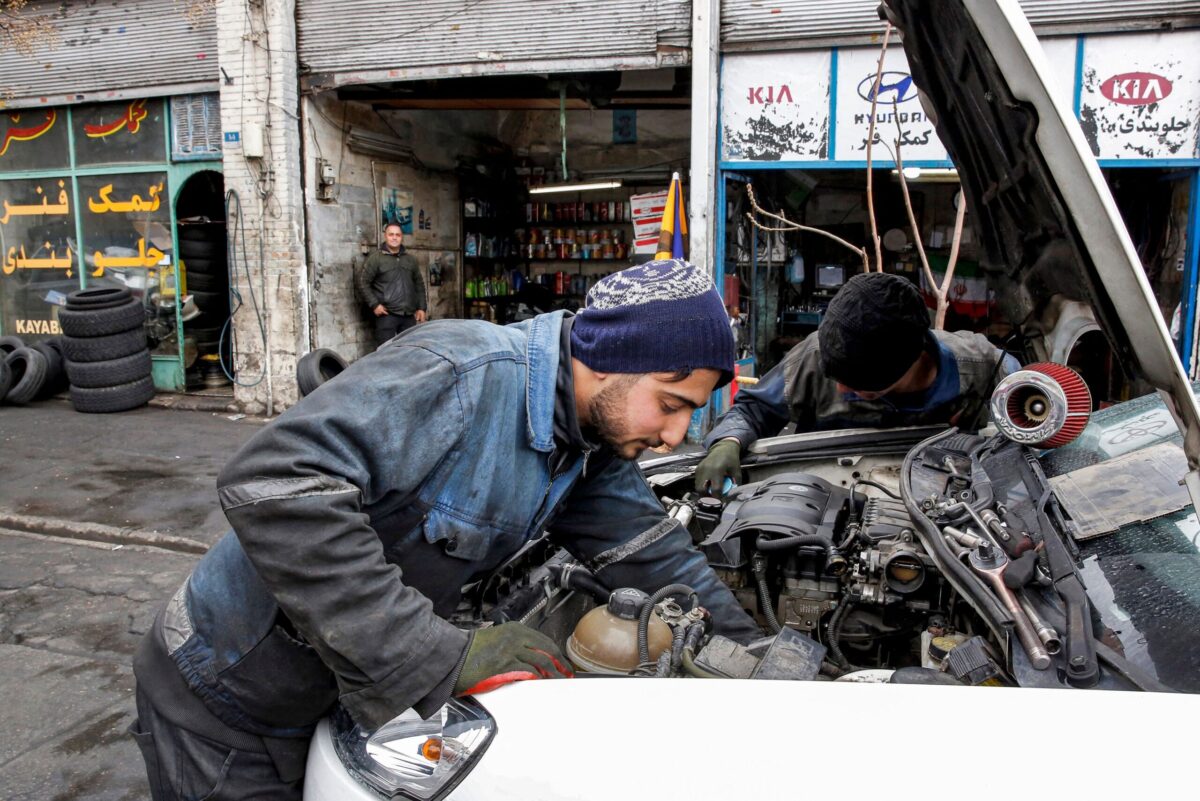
<point x="24" y="31"/>
<point x="887" y="33"/>
<point x="939" y="321"/>
<point x="795" y="226"/>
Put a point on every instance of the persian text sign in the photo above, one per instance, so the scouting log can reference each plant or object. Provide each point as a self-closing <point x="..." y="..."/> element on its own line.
<point x="1141" y="95"/>
<point x="775" y="106"/>
<point x="896" y="101"/>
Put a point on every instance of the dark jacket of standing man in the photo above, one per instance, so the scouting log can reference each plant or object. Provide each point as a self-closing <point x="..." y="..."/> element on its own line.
<point x="391" y="284"/>
<point x="360" y="513"/>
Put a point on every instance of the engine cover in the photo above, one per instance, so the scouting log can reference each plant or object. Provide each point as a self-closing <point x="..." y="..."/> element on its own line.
<point x="786" y="504"/>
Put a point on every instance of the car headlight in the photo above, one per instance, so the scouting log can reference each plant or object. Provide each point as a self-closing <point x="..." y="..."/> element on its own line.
<point x="413" y="758"/>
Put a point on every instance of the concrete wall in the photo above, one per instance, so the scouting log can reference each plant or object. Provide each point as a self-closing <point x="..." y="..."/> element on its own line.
<point x="256" y="50"/>
<point x="342" y="229"/>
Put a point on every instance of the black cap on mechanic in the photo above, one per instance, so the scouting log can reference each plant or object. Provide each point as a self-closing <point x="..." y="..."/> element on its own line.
<point x="873" y="331"/>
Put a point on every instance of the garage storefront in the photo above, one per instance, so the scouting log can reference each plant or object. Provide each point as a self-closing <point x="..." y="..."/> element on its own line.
<point x="457" y="132"/>
<point x="795" y="122"/>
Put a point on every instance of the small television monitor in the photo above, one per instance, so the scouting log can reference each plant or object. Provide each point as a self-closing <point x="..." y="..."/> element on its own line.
<point x="830" y="276"/>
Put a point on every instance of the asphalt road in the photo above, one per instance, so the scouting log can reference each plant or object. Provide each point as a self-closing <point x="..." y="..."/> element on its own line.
<point x="74" y="604"/>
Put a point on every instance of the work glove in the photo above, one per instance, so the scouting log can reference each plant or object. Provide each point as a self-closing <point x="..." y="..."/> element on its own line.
<point x="724" y="461"/>
<point x="506" y="653"/>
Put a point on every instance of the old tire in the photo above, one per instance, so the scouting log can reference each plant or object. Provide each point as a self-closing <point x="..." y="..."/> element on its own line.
<point x="316" y="367"/>
<point x="9" y="344"/>
<point x="202" y="232"/>
<point x="201" y="249"/>
<point x="56" y="374"/>
<point x="5" y="378"/>
<point x="102" y="298"/>
<point x="99" y="349"/>
<point x="211" y="301"/>
<point x="119" y="398"/>
<point x="100" y="322"/>
<point x="92" y="375"/>
<point x="205" y="266"/>
<point x="28" y="368"/>
<point x="203" y="282"/>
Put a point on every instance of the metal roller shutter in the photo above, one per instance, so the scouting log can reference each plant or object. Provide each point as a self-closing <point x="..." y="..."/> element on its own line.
<point x="763" y="24"/>
<point x="112" y="49"/>
<point x="365" y="41"/>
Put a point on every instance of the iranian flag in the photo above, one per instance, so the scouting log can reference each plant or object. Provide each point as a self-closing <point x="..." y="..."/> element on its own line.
<point x="968" y="296"/>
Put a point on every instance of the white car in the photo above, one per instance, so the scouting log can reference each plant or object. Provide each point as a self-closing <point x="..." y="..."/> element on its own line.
<point x="997" y="563"/>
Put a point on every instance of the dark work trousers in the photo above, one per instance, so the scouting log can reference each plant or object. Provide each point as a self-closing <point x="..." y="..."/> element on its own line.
<point x="389" y="325"/>
<point x="182" y="765"/>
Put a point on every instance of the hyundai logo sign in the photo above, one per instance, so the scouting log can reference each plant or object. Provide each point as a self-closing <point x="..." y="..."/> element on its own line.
<point x="894" y="87"/>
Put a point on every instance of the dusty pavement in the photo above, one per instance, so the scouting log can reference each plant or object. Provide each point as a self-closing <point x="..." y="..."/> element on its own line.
<point x="80" y="498"/>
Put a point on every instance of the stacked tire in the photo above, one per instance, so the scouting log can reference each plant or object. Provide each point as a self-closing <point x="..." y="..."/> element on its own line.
<point x="202" y="250"/>
<point x="108" y="363"/>
<point x="30" y="372"/>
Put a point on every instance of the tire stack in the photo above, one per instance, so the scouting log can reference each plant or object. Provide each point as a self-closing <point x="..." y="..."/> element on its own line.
<point x="29" y="373"/>
<point x="206" y="275"/>
<point x="108" y="363"/>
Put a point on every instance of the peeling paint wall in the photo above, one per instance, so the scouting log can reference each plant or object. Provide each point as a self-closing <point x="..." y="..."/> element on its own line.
<point x="342" y="228"/>
<point x="256" y="43"/>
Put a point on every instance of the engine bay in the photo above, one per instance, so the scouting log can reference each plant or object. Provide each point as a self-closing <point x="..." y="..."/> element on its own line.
<point x="964" y="572"/>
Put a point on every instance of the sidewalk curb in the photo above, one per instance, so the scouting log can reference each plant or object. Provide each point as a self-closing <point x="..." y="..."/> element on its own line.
<point x="97" y="532"/>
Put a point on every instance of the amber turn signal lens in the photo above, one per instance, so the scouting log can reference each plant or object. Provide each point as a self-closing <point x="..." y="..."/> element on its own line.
<point x="431" y="749"/>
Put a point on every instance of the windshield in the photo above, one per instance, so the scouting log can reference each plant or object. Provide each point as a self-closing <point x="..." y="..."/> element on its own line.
<point x="1143" y="578"/>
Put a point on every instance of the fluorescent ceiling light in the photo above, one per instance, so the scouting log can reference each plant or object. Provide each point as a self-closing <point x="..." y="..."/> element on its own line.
<point x="580" y="187"/>
<point x="929" y="174"/>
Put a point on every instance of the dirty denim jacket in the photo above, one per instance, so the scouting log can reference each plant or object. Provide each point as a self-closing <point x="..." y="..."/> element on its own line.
<point x="797" y="389"/>
<point x="361" y="512"/>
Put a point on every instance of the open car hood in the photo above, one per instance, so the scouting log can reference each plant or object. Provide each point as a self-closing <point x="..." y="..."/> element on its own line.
<point x="1054" y="244"/>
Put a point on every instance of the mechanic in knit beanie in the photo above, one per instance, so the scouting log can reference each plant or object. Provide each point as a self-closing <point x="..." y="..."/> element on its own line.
<point x="659" y="317"/>
<point x="650" y="346"/>
<point x="873" y="363"/>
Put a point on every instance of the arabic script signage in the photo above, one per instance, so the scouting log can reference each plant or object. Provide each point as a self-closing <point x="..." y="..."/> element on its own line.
<point x="896" y="102"/>
<point x="126" y="223"/>
<point x="33" y="139"/>
<point x="120" y="133"/>
<point x="1141" y="95"/>
<point x="775" y="107"/>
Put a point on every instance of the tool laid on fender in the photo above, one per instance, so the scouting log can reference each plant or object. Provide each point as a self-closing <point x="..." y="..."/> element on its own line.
<point x="990" y="562"/>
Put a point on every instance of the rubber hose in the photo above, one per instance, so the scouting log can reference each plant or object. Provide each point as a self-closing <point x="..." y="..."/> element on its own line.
<point x="662" y="670"/>
<point x="648" y="609"/>
<point x="677" y="648"/>
<point x="796" y="541"/>
<point x="764" y="600"/>
<point x="694" y="670"/>
<point x="580" y="579"/>
<point x="835" y="632"/>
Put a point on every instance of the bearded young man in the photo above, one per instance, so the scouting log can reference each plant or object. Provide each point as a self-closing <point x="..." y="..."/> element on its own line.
<point x="360" y="513"/>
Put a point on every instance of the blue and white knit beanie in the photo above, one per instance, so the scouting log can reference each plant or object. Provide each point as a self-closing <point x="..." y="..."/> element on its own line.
<point x="658" y="317"/>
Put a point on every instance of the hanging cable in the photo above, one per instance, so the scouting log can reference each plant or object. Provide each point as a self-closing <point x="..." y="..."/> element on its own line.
<point x="232" y="200"/>
<point x="562" y="126"/>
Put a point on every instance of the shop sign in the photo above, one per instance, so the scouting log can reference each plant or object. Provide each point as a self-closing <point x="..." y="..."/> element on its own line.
<point x="1140" y="97"/>
<point x="36" y="327"/>
<point x="899" y="116"/>
<point x="775" y="106"/>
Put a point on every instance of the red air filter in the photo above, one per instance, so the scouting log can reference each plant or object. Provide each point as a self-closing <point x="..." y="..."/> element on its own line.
<point x="1046" y="405"/>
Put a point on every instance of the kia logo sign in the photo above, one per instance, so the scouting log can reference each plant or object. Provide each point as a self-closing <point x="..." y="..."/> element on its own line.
<point x="1136" y="88"/>
<point x="894" y="87"/>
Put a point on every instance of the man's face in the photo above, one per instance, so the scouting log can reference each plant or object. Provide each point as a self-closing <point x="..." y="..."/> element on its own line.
<point x="906" y="383"/>
<point x="635" y="412"/>
<point x="394" y="237"/>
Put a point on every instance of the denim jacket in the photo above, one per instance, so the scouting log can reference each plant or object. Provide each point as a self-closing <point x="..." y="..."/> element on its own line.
<point x="361" y="512"/>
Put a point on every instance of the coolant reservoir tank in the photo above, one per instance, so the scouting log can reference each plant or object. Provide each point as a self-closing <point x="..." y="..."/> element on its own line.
<point x="605" y="640"/>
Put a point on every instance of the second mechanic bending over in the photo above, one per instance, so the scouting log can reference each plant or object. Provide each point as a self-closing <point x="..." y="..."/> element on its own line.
<point x="873" y="363"/>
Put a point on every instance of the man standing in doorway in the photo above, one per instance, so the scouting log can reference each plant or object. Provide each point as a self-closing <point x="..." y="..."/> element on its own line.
<point x="392" y="286"/>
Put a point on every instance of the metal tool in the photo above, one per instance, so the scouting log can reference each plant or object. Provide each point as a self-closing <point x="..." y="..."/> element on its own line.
<point x="1045" y="631"/>
<point x="990" y="562"/>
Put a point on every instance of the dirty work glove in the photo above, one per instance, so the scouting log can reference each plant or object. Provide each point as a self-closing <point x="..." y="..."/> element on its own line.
<point x="506" y="653"/>
<point x="724" y="460"/>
